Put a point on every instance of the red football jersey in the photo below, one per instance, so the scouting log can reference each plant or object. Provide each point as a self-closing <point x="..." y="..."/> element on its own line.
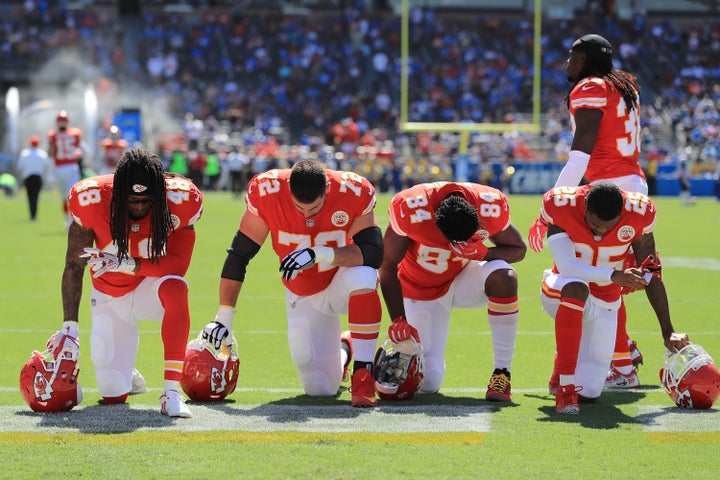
<point x="618" y="142"/>
<point x="430" y="266"/>
<point x="348" y="196"/>
<point x="565" y="207"/>
<point x="89" y="202"/>
<point x="65" y="146"/>
<point x="113" y="150"/>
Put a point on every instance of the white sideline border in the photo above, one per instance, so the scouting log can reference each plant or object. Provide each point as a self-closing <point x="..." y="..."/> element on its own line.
<point x="252" y="418"/>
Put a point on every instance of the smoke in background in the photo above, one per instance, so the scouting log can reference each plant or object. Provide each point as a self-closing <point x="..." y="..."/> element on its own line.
<point x="63" y="83"/>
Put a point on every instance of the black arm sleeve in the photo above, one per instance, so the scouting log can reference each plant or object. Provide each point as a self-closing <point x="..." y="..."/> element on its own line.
<point x="240" y="252"/>
<point x="371" y="245"/>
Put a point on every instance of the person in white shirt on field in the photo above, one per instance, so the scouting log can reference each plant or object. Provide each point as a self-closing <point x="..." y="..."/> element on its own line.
<point x="33" y="167"/>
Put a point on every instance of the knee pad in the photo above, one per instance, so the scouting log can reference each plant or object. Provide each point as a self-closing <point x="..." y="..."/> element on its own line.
<point x="301" y="347"/>
<point x="361" y="278"/>
<point x="317" y="384"/>
<point x="434" y="373"/>
<point x="596" y="349"/>
<point x="102" y="351"/>
<point x="112" y="383"/>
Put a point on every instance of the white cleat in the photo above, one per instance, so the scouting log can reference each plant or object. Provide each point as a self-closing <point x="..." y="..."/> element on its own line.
<point x="138" y="383"/>
<point x="172" y="404"/>
<point x="615" y="379"/>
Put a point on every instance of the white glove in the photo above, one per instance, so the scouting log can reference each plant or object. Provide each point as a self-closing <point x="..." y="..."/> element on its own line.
<point x="67" y="337"/>
<point x="303" y="259"/>
<point x="102" y="262"/>
<point x="221" y="328"/>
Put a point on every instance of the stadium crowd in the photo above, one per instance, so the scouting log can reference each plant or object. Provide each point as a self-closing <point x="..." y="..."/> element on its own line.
<point x="279" y="87"/>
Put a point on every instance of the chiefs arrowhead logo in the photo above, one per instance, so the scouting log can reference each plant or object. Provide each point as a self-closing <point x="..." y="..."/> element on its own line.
<point x="43" y="390"/>
<point x="625" y="233"/>
<point x="217" y="381"/>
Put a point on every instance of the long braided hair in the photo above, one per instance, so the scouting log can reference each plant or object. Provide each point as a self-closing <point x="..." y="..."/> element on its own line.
<point x="140" y="167"/>
<point x="598" y="62"/>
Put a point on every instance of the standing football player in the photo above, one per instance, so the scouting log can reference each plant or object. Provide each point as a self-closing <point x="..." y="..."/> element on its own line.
<point x="604" y="110"/>
<point x="591" y="229"/>
<point x="112" y="148"/>
<point x="65" y="149"/>
<point x="136" y="230"/>
<point x="436" y="259"/>
<point x="325" y="234"/>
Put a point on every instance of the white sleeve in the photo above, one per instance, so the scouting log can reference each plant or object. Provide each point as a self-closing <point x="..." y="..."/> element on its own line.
<point x="563" y="252"/>
<point x="573" y="170"/>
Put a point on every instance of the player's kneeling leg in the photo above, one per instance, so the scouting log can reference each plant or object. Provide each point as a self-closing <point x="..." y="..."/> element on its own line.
<point x="316" y="378"/>
<point x="113" y="385"/>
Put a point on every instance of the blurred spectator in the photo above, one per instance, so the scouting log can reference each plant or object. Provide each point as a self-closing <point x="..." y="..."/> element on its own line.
<point x="33" y="167"/>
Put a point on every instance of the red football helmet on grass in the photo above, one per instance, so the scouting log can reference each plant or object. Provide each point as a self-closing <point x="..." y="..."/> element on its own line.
<point x="398" y="369"/>
<point x="50" y="383"/>
<point x="209" y="374"/>
<point x="691" y="378"/>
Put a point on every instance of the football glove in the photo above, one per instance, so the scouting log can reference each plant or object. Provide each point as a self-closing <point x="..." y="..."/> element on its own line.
<point x="102" y="262"/>
<point x="651" y="267"/>
<point x="295" y="262"/>
<point x="537" y="233"/>
<point x="66" y="337"/>
<point x="400" y="330"/>
<point x="220" y="329"/>
<point x="472" y="249"/>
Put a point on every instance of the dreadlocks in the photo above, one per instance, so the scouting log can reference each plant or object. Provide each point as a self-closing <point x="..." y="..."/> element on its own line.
<point x="598" y="62"/>
<point x="456" y="219"/>
<point x="140" y="172"/>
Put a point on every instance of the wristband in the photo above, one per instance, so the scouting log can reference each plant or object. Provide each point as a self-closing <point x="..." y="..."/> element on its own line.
<point x="324" y="255"/>
<point x="225" y="315"/>
<point x="71" y="328"/>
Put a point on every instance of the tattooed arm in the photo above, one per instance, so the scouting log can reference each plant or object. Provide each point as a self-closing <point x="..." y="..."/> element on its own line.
<point x="72" y="277"/>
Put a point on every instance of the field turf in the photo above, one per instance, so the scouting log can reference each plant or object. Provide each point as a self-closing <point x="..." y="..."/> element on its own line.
<point x="269" y="429"/>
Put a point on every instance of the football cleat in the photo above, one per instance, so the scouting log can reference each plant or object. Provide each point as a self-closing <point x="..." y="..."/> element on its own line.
<point x="138" y="383"/>
<point x="553" y="383"/>
<point x="346" y="338"/>
<point x="398" y="369"/>
<point x="209" y="373"/>
<point x="615" y="379"/>
<point x="566" y="400"/>
<point x="49" y="382"/>
<point x="362" y="388"/>
<point x="635" y="355"/>
<point x="172" y="404"/>
<point x="499" y="387"/>
<point x="691" y="378"/>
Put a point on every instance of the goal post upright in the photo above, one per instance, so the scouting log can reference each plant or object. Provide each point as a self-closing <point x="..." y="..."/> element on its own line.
<point x="465" y="128"/>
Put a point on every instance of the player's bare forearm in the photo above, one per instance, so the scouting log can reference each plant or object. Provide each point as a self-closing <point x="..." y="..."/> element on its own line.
<point x="391" y="290"/>
<point x="229" y="291"/>
<point x="348" y="256"/>
<point x="643" y="247"/>
<point x="72" y="277"/>
<point x="72" y="285"/>
<point x="396" y="246"/>
<point x="509" y="246"/>
<point x="657" y="296"/>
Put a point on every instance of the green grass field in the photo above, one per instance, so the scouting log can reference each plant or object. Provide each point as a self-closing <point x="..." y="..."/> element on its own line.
<point x="269" y="429"/>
